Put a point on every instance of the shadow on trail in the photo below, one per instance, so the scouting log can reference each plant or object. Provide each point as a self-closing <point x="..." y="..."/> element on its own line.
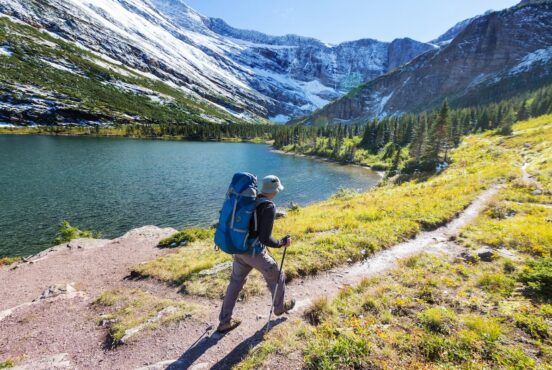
<point x="196" y="350"/>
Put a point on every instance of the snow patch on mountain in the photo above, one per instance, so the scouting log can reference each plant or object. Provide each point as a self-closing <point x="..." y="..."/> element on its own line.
<point x="5" y="51"/>
<point x="538" y="56"/>
<point x="64" y="66"/>
<point x="280" y="118"/>
<point x="140" y="90"/>
<point x="383" y="103"/>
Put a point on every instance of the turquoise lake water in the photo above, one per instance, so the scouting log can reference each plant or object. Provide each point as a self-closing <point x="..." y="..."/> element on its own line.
<point x="112" y="185"/>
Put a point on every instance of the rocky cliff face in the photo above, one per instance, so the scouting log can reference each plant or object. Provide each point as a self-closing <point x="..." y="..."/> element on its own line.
<point x="494" y="56"/>
<point x="241" y="71"/>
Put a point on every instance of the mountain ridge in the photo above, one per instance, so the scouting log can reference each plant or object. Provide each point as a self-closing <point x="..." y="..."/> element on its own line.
<point x="495" y="55"/>
<point x="277" y="77"/>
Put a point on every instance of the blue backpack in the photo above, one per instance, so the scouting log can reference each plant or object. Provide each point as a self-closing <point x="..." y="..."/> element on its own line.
<point x="232" y="233"/>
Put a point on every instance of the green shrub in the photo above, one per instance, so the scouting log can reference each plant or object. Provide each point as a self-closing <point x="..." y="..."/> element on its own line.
<point x="345" y="193"/>
<point x="509" y="266"/>
<point x="537" y="275"/>
<point x="513" y="358"/>
<point x="437" y="319"/>
<point x="497" y="283"/>
<point x="346" y="351"/>
<point x="186" y="236"/>
<point x="6" y="261"/>
<point x="318" y="311"/>
<point x="487" y="329"/>
<point x="7" y="364"/>
<point x="436" y="347"/>
<point x="294" y="207"/>
<point x="533" y="325"/>
<point x="67" y="233"/>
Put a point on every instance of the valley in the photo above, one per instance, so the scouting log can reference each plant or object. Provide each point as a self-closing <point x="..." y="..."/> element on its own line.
<point x="417" y="176"/>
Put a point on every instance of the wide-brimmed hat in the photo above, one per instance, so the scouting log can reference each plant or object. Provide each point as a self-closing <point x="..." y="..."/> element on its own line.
<point x="271" y="184"/>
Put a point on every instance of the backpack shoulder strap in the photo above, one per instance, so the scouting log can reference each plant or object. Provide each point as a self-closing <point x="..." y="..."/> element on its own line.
<point x="260" y="201"/>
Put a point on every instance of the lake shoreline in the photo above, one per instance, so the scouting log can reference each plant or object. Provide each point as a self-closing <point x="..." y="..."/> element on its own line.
<point x="38" y="131"/>
<point x="326" y="159"/>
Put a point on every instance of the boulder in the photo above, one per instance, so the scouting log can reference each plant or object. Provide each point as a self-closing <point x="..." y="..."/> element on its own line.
<point x="468" y="257"/>
<point x="281" y="213"/>
<point x="537" y="192"/>
<point x="56" y="290"/>
<point x="485" y="254"/>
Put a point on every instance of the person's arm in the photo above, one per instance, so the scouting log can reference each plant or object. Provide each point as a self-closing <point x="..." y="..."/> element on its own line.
<point x="266" y="223"/>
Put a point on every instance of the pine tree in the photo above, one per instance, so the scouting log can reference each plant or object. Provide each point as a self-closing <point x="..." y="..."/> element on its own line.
<point x="524" y="112"/>
<point x="438" y="140"/>
<point x="396" y="162"/>
<point x="505" y="126"/>
<point x="419" y="139"/>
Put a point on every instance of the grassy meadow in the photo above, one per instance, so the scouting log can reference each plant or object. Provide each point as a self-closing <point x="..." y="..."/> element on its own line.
<point x="350" y="226"/>
<point x="441" y="312"/>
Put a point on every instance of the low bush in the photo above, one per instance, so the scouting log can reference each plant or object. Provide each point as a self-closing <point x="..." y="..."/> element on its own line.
<point x="497" y="283"/>
<point x="437" y="319"/>
<point x="487" y="328"/>
<point x="7" y="364"/>
<point x="535" y="326"/>
<point x="537" y="275"/>
<point x="318" y="311"/>
<point x="67" y="233"/>
<point x="186" y="236"/>
<point x="6" y="261"/>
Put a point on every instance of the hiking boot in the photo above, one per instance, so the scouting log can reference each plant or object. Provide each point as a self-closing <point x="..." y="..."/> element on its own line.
<point x="288" y="306"/>
<point x="231" y="325"/>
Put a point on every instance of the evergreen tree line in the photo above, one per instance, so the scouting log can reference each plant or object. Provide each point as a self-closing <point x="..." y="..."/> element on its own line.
<point x="427" y="137"/>
<point x="202" y="132"/>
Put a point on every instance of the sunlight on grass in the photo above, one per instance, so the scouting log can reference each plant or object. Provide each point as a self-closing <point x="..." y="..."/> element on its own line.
<point x="125" y="309"/>
<point x="350" y="228"/>
<point x="450" y="313"/>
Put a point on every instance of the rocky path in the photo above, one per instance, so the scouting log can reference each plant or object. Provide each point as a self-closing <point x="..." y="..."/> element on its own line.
<point x="60" y="330"/>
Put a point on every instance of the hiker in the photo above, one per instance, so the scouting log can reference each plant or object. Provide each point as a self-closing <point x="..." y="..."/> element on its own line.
<point x="258" y="258"/>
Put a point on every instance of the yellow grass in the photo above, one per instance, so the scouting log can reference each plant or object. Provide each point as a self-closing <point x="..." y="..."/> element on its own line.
<point x="350" y="228"/>
<point x="129" y="308"/>
<point x="433" y="313"/>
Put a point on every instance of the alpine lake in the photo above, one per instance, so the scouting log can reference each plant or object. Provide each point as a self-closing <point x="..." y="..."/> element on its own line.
<point x="112" y="185"/>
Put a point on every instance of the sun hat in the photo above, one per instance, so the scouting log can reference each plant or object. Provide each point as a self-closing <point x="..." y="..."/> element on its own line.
<point x="271" y="184"/>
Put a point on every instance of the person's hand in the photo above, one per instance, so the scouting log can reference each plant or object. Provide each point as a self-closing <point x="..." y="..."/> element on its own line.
<point x="288" y="241"/>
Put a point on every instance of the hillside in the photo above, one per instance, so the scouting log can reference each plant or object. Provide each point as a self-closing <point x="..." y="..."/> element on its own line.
<point x="478" y="298"/>
<point x="495" y="56"/>
<point x="46" y="80"/>
<point x="247" y="73"/>
<point x="447" y="308"/>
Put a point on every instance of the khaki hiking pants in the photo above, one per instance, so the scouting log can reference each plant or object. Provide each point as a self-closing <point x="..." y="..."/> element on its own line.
<point x="243" y="263"/>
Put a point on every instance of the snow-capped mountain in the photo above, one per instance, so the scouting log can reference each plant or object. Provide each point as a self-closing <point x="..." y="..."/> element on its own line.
<point x="246" y="73"/>
<point x="494" y="56"/>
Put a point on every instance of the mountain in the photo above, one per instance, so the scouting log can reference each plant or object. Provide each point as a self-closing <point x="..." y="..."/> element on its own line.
<point x="452" y="32"/>
<point x="244" y="74"/>
<point x="495" y="56"/>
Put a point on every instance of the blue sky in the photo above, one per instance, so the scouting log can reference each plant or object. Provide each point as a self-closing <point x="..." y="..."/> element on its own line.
<point x="334" y="21"/>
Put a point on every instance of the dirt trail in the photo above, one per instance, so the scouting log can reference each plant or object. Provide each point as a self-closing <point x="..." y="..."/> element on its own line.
<point x="67" y="328"/>
<point x="221" y="352"/>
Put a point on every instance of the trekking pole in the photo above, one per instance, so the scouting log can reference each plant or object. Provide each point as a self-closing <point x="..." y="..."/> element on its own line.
<point x="276" y="289"/>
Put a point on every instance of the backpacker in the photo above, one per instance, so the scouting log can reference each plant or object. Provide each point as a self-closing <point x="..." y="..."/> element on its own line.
<point x="232" y="233"/>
